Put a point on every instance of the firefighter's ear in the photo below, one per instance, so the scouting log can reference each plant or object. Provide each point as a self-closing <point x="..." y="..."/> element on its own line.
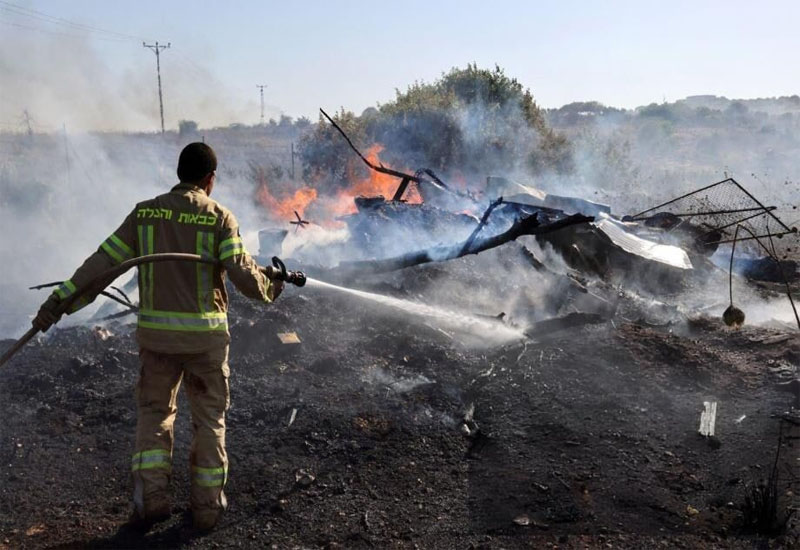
<point x="208" y="181"/>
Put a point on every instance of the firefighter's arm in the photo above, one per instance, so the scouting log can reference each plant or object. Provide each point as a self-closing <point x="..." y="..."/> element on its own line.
<point x="117" y="248"/>
<point x="243" y="271"/>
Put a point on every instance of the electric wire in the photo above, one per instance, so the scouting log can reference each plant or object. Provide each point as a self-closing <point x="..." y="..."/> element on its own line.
<point x="41" y="16"/>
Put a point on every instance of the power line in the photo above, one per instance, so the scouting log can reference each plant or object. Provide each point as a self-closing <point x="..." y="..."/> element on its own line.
<point x="157" y="49"/>
<point x="36" y="14"/>
<point x="57" y="33"/>
<point x="193" y="67"/>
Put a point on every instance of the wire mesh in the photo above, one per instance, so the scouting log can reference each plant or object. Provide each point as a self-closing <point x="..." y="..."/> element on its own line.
<point x="718" y="208"/>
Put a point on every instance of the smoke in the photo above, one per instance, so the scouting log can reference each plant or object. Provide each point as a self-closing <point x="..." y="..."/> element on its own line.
<point x="54" y="214"/>
<point x="60" y="79"/>
<point x="638" y="158"/>
<point x="62" y="195"/>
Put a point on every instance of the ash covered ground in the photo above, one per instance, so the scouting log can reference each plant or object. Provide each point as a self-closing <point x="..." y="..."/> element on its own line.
<point x="390" y="430"/>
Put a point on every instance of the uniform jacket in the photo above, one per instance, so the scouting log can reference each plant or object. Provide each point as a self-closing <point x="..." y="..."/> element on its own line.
<point x="183" y="305"/>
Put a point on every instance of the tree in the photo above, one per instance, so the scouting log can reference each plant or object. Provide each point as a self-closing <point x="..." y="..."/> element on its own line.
<point x="470" y="120"/>
<point x="187" y="128"/>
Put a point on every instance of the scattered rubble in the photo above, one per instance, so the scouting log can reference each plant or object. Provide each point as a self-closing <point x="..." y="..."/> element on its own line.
<point x="288" y="338"/>
<point x="388" y="429"/>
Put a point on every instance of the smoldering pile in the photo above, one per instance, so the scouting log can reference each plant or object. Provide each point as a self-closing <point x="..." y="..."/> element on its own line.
<point x="356" y="420"/>
<point x="532" y="260"/>
<point x="573" y="260"/>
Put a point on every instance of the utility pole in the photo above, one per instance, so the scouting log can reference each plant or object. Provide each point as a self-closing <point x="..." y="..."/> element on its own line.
<point x="157" y="49"/>
<point x="27" y="121"/>
<point x="261" y="87"/>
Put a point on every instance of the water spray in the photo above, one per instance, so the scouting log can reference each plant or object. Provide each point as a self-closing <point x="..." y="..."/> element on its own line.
<point x="95" y="286"/>
<point x="480" y="327"/>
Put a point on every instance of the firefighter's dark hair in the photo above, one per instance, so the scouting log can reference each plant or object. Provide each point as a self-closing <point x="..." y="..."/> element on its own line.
<point x="196" y="161"/>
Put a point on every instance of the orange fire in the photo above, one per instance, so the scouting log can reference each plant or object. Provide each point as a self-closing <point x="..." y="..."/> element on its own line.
<point x="342" y="203"/>
<point x="373" y="185"/>
<point x="286" y="208"/>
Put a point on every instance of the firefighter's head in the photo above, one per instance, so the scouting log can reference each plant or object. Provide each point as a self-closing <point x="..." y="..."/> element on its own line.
<point x="197" y="165"/>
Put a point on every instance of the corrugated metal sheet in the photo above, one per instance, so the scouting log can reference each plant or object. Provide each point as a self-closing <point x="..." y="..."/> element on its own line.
<point x="666" y="254"/>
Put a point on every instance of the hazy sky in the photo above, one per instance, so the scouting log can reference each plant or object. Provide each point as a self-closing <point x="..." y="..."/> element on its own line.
<point x="355" y="54"/>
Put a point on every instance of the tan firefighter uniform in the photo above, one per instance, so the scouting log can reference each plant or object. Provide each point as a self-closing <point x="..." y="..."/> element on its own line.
<point x="183" y="334"/>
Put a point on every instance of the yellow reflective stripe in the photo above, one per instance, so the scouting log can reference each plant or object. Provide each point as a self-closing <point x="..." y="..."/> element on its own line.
<point x="150" y="452"/>
<point x="127" y="250"/>
<point x="204" y="247"/>
<point x="233" y="252"/>
<point x="231" y="247"/>
<point x="155" y="325"/>
<point x="152" y="249"/>
<point x="142" y="268"/>
<point x="153" y="458"/>
<point x="65" y="289"/>
<point x="185" y="314"/>
<point x="232" y="240"/>
<point x="210" y="477"/>
<point x="117" y="249"/>
<point x="111" y="252"/>
<point x="146" y="270"/>
<point x="183" y="321"/>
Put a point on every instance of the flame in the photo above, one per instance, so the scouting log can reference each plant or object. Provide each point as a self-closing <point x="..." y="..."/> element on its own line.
<point x="340" y="203"/>
<point x="286" y="208"/>
<point x="375" y="184"/>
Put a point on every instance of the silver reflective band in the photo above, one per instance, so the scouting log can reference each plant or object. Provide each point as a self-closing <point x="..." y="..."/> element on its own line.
<point x="144" y="458"/>
<point x="210" y="477"/>
<point x="209" y="322"/>
<point x="150" y="460"/>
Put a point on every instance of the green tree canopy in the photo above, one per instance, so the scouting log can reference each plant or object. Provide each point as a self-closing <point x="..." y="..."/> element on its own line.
<point x="470" y="120"/>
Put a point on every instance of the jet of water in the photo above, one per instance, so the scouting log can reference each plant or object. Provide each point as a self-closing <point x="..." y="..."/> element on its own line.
<point x="483" y="328"/>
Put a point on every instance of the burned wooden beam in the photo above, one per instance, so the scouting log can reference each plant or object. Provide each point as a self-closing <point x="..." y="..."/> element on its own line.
<point x="378" y="168"/>
<point x="404" y="178"/>
<point x="401" y="189"/>
<point x="525" y="226"/>
<point x="481" y="224"/>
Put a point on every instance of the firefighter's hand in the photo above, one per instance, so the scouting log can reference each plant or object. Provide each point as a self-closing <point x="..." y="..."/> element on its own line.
<point x="275" y="288"/>
<point x="47" y="316"/>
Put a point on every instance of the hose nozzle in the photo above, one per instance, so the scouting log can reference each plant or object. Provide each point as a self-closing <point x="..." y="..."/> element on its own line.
<point x="277" y="272"/>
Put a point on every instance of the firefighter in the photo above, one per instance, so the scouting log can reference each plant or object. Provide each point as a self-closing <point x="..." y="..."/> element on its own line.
<point x="182" y="331"/>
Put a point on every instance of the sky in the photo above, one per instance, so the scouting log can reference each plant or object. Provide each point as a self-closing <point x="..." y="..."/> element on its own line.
<point x="82" y="63"/>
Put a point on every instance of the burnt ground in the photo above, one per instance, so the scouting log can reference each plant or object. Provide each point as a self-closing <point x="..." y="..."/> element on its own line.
<point x="586" y="438"/>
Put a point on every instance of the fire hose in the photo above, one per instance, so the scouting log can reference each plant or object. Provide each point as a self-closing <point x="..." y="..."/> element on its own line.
<point x="277" y="271"/>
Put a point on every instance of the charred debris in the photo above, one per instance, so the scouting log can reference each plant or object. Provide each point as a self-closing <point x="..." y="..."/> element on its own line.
<point x="561" y="440"/>
<point x="665" y="247"/>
